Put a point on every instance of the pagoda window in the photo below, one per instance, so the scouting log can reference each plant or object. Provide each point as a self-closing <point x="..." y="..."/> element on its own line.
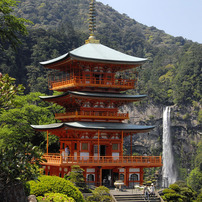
<point x="115" y="147"/>
<point x="75" y="146"/>
<point x="133" y="177"/>
<point x="121" y="177"/>
<point x="95" y="148"/>
<point x="91" y="178"/>
<point x="84" y="146"/>
<point x="87" y="78"/>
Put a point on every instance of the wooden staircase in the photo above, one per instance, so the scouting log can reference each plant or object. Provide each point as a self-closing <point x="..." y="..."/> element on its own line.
<point x="135" y="198"/>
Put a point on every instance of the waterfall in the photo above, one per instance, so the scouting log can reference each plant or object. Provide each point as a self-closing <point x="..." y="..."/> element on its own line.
<point x="169" y="173"/>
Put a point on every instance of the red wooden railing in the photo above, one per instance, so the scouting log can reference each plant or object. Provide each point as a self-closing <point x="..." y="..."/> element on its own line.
<point x="90" y="114"/>
<point x="147" y="161"/>
<point x="91" y="82"/>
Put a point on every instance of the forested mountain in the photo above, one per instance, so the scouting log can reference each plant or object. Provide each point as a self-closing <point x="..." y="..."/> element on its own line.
<point x="171" y="76"/>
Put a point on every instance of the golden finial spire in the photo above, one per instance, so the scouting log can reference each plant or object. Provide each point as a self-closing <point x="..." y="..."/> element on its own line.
<point x="92" y="23"/>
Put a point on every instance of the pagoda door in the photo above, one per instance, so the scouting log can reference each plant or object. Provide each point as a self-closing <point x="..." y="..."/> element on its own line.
<point x="102" y="150"/>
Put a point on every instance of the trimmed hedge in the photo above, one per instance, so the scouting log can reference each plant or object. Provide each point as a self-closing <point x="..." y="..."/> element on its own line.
<point x="55" y="197"/>
<point x="54" y="184"/>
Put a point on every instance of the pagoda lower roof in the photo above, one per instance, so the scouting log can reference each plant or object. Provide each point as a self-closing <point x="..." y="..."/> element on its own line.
<point x="96" y="52"/>
<point x="121" y="96"/>
<point x="106" y="126"/>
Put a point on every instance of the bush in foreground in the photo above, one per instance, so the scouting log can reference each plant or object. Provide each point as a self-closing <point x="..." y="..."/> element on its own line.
<point x="54" y="184"/>
<point x="180" y="192"/>
<point x="55" y="197"/>
<point x="100" y="194"/>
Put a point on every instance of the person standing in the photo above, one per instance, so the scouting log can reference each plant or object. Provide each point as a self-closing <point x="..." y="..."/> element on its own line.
<point x="67" y="152"/>
<point x="152" y="189"/>
<point x="146" y="192"/>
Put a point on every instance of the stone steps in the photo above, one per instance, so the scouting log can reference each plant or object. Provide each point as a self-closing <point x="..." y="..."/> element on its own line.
<point x="135" y="198"/>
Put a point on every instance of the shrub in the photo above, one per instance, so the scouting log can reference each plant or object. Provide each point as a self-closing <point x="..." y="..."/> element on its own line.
<point x="100" y="194"/>
<point x="195" y="179"/>
<point x="199" y="198"/>
<point x="172" y="197"/>
<point x="54" y="184"/>
<point x="175" y="187"/>
<point x="179" y="191"/>
<point x="55" y="197"/>
<point x="77" y="178"/>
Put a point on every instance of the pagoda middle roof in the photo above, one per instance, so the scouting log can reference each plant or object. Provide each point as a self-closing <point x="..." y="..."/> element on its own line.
<point x="121" y="96"/>
<point x="96" y="52"/>
<point x="107" y="126"/>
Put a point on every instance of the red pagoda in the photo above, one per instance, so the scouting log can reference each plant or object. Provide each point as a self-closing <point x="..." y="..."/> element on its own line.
<point x="92" y="128"/>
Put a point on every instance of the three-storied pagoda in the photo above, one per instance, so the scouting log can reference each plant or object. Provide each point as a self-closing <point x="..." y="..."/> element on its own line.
<point x="92" y="127"/>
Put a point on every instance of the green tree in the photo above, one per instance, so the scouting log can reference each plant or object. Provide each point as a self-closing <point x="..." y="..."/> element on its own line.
<point x="100" y="194"/>
<point x="18" y="164"/>
<point x="195" y="179"/>
<point x="11" y="26"/>
<point x="179" y="191"/>
<point x="8" y="91"/>
<point x="30" y="110"/>
<point x="76" y="177"/>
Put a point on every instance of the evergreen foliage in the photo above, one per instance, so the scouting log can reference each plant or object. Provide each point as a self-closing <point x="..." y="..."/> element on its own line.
<point x="55" y="197"/>
<point x="8" y="91"/>
<point x="30" y="110"/>
<point x="171" y="75"/>
<point x="10" y="25"/>
<point x="54" y="184"/>
<point x="100" y="194"/>
<point x="77" y="178"/>
<point x="179" y="192"/>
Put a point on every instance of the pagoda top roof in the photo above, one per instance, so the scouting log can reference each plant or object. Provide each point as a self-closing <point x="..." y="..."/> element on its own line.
<point x="96" y="126"/>
<point x="96" y="52"/>
<point x="121" y="96"/>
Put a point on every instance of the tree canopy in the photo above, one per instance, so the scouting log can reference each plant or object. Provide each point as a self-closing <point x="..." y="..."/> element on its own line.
<point x="10" y="25"/>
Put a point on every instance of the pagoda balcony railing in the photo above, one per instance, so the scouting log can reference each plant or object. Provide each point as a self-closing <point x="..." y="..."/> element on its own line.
<point x="77" y="81"/>
<point x="92" y="115"/>
<point x="146" y="161"/>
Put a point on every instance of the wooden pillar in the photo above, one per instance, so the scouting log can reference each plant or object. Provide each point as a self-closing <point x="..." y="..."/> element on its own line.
<point x="122" y="143"/>
<point x="125" y="176"/>
<point x="47" y="143"/>
<point x="98" y="145"/>
<point x="101" y="176"/>
<point x="141" y="175"/>
<point x="131" y="139"/>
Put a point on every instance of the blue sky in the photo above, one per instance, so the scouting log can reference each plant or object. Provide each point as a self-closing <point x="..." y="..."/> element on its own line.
<point x="175" y="17"/>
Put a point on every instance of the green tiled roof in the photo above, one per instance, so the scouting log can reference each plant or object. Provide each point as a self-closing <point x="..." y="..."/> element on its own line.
<point x="99" y="53"/>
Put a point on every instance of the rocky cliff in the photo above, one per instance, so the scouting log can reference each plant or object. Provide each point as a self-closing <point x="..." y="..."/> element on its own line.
<point x="185" y="132"/>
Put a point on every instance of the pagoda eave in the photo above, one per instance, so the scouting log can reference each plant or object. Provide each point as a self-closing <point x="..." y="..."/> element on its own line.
<point x="94" y="96"/>
<point x="95" y="126"/>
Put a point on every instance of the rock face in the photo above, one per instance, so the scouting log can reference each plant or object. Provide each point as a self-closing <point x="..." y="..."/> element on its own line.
<point x="185" y="133"/>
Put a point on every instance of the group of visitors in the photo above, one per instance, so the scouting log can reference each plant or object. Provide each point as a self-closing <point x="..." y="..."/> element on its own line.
<point x="149" y="191"/>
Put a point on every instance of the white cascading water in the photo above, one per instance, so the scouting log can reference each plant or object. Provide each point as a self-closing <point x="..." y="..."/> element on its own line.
<point x="169" y="173"/>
